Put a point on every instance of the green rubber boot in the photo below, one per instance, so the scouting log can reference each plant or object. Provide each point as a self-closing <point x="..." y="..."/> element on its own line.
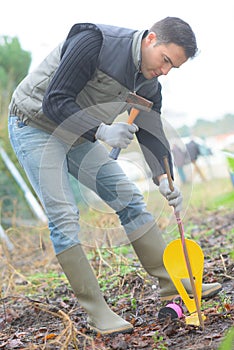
<point x="149" y="248"/>
<point x="86" y="288"/>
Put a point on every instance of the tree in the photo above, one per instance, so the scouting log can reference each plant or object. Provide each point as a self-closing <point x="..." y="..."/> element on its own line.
<point x="203" y="127"/>
<point x="14" y="65"/>
<point x="14" y="61"/>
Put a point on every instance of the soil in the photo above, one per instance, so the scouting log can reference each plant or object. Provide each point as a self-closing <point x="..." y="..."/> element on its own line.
<point x="53" y="319"/>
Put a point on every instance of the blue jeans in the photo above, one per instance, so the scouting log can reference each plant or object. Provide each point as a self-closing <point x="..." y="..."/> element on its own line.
<point x="48" y="161"/>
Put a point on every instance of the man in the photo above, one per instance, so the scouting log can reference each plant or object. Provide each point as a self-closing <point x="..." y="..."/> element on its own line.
<point x="194" y="152"/>
<point x="58" y="114"/>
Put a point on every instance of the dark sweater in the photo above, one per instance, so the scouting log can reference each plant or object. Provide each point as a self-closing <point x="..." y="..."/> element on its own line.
<point x="78" y="63"/>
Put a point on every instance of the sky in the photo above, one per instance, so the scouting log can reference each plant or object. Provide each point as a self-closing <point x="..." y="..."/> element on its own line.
<point x="201" y="89"/>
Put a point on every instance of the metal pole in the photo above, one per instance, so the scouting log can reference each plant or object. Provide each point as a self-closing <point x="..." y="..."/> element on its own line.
<point x="5" y="238"/>
<point x="33" y="203"/>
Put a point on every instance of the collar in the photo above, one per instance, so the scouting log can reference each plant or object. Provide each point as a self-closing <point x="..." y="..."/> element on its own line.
<point x="136" y="47"/>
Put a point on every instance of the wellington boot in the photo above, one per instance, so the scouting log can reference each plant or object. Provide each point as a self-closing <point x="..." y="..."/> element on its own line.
<point x="208" y="290"/>
<point x="149" y="248"/>
<point x="85" y="286"/>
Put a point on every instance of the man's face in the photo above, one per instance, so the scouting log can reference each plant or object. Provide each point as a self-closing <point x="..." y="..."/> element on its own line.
<point x="158" y="60"/>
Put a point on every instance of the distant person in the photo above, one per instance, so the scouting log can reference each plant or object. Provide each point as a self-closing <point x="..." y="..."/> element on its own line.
<point x="180" y="161"/>
<point x="194" y="153"/>
<point x="206" y="152"/>
<point x="59" y="115"/>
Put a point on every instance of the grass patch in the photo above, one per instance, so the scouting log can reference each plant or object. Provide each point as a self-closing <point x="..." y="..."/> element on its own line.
<point x="212" y="195"/>
<point x="226" y="199"/>
<point x="39" y="283"/>
<point x="51" y="278"/>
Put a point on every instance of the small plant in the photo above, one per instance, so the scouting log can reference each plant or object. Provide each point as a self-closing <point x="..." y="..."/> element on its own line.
<point x="225" y="300"/>
<point x="123" y="250"/>
<point x="228" y="342"/>
<point x="133" y="303"/>
<point x="159" y="341"/>
<point x="220" y="305"/>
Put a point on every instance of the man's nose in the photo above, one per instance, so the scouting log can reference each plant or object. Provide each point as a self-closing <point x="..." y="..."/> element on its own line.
<point x="165" y="70"/>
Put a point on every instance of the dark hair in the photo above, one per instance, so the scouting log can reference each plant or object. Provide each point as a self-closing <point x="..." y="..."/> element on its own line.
<point x="175" y="30"/>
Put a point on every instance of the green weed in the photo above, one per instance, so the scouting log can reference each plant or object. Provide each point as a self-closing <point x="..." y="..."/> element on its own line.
<point x="159" y="341"/>
<point x="228" y="342"/>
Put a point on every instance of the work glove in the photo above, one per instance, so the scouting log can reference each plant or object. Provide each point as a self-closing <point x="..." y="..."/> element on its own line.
<point x="174" y="197"/>
<point x="117" y="134"/>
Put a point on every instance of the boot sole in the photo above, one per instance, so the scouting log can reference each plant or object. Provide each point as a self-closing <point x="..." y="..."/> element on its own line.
<point x="111" y="331"/>
<point x="205" y="295"/>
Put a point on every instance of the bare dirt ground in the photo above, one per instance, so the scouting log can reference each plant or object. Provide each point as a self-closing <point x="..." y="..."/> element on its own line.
<point x="51" y="317"/>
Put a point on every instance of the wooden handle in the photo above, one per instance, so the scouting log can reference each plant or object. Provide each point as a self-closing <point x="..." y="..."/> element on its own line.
<point x="133" y="114"/>
<point x="167" y="168"/>
<point x="186" y="256"/>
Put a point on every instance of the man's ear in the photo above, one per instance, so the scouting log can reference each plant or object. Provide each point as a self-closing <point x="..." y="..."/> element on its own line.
<point x="151" y="37"/>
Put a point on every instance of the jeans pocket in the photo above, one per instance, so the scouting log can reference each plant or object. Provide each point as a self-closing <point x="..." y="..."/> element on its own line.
<point x="14" y="128"/>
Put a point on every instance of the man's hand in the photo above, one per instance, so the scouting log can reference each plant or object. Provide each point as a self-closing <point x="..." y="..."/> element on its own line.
<point x="117" y="134"/>
<point x="174" y="198"/>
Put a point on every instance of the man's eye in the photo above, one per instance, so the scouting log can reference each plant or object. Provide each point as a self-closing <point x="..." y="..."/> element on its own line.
<point x="166" y="59"/>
